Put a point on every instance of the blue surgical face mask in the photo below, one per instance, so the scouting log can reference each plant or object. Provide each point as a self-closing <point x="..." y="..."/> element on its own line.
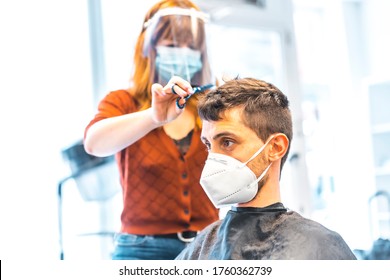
<point x="172" y="61"/>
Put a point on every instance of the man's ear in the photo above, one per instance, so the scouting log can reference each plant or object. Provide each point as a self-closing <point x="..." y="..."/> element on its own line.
<point x="278" y="147"/>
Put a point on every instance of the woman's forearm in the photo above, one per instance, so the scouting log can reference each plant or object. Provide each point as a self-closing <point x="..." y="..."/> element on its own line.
<point x="112" y="135"/>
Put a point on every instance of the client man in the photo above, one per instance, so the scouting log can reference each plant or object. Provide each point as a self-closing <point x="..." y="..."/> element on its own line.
<point x="247" y="129"/>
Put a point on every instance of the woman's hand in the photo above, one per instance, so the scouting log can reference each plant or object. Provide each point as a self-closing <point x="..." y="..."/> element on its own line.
<point x="164" y="99"/>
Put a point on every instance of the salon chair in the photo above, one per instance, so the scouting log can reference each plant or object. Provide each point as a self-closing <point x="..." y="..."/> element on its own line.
<point x="97" y="182"/>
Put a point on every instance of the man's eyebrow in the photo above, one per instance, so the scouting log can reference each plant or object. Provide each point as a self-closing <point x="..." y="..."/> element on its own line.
<point x="219" y="135"/>
<point x="223" y="134"/>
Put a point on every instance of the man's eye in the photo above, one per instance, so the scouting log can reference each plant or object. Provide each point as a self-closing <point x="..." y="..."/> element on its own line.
<point x="208" y="146"/>
<point x="227" y="143"/>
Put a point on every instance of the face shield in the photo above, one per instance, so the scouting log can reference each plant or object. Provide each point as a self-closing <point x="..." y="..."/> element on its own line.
<point x="174" y="42"/>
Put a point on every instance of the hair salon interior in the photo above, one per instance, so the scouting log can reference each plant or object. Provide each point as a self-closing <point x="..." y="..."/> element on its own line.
<point x="58" y="59"/>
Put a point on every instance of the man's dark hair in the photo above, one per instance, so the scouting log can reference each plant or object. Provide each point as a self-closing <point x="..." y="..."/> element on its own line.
<point x="265" y="108"/>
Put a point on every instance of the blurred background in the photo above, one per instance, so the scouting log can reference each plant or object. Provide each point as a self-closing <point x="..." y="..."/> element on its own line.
<point x="59" y="58"/>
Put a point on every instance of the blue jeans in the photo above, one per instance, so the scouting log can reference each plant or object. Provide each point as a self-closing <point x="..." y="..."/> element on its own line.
<point x="145" y="247"/>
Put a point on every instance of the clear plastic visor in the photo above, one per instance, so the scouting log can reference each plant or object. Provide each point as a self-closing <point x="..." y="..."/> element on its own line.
<point x="175" y="43"/>
<point x="177" y="27"/>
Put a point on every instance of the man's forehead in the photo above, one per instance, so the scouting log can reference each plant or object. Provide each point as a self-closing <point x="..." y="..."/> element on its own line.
<point x="229" y="123"/>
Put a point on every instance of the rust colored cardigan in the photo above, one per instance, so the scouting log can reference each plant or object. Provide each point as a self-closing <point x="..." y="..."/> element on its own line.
<point x="161" y="191"/>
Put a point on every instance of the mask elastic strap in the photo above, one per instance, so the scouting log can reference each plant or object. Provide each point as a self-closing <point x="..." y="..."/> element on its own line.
<point x="262" y="175"/>
<point x="259" y="151"/>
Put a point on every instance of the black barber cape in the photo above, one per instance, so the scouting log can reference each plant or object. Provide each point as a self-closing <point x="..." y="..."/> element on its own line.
<point x="269" y="233"/>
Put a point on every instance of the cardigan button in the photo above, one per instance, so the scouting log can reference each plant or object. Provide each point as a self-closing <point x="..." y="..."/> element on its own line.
<point x="184" y="175"/>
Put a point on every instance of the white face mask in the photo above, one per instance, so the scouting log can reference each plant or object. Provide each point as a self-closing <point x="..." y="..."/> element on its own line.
<point x="228" y="181"/>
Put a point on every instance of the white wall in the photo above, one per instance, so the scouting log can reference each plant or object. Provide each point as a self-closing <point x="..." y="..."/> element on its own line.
<point x="377" y="22"/>
<point x="340" y="47"/>
<point x="46" y="101"/>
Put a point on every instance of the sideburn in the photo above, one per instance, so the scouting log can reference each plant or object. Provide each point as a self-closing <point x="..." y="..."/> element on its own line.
<point x="260" y="163"/>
